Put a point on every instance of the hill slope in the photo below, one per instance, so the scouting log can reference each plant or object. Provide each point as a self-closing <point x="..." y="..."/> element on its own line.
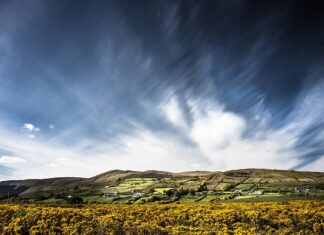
<point x="123" y="182"/>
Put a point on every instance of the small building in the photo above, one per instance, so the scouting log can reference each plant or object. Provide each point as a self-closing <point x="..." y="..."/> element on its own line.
<point x="212" y="193"/>
<point x="238" y="192"/>
<point x="112" y="194"/>
<point x="200" y="193"/>
<point x="131" y="192"/>
<point x="137" y="195"/>
<point x="301" y="190"/>
<point x="257" y="192"/>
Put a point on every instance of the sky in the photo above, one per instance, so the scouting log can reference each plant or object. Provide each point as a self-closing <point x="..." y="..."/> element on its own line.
<point x="91" y="86"/>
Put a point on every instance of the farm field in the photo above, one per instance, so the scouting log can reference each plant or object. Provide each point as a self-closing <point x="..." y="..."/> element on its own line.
<point x="292" y="217"/>
<point x="134" y="187"/>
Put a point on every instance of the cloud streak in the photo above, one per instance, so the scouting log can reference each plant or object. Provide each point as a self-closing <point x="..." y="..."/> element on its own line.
<point x="214" y="140"/>
<point x="159" y="85"/>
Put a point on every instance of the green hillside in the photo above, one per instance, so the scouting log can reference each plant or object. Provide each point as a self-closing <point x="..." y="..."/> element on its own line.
<point x="119" y="186"/>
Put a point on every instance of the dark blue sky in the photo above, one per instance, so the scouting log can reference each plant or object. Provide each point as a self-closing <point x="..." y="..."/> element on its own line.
<point x="89" y="86"/>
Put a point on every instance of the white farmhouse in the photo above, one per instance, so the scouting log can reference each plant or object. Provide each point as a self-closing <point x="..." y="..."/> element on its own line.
<point x="137" y="195"/>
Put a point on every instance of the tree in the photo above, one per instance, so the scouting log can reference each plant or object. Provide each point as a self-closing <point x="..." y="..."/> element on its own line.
<point x="75" y="200"/>
<point x="151" y="190"/>
<point x="202" y="187"/>
<point x="192" y="191"/>
<point x="169" y="192"/>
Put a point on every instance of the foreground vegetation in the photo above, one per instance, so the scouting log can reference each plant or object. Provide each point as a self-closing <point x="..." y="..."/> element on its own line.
<point x="292" y="217"/>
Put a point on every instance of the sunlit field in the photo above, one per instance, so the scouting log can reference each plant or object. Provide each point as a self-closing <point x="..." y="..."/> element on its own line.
<point x="291" y="217"/>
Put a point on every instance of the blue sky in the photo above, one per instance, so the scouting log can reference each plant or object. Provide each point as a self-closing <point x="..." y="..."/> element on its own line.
<point x="87" y="87"/>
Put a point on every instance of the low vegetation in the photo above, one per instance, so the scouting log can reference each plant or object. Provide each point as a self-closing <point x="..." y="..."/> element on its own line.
<point x="293" y="217"/>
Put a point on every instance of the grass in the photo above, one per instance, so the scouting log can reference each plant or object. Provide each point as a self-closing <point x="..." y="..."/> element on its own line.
<point x="52" y="200"/>
<point x="161" y="190"/>
<point x="123" y="199"/>
<point x="130" y="180"/>
<point x="222" y="186"/>
<point x="189" y="199"/>
<point x="98" y="199"/>
<point x="210" y="198"/>
<point x="270" y="197"/>
<point x="94" y="199"/>
<point x="132" y="184"/>
<point x="267" y="195"/>
<point x="244" y="186"/>
<point x="260" y="199"/>
<point x="185" y="199"/>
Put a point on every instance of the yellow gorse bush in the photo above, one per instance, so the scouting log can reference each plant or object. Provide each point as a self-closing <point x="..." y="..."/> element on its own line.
<point x="293" y="217"/>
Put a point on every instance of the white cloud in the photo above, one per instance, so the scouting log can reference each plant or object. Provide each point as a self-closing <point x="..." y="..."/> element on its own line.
<point x="51" y="126"/>
<point x="213" y="140"/>
<point x="7" y="160"/>
<point x="195" y="166"/>
<point x="30" y="129"/>
<point x="216" y="129"/>
<point x="141" y="150"/>
<point x="173" y="112"/>
<point x="53" y="165"/>
<point x="219" y="135"/>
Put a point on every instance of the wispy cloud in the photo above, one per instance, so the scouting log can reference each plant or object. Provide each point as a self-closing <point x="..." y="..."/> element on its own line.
<point x="173" y="113"/>
<point x="219" y="134"/>
<point x="214" y="139"/>
<point x="159" y="90"/>
<point x="30" y="129"/>
<point x="7" y="160"/>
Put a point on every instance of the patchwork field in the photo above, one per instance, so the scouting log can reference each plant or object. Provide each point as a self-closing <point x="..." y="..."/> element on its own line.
<point x="166" y="187"/>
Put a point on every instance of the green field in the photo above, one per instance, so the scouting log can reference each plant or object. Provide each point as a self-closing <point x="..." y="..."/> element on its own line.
<point x="131" y="184"/>
<point x="165" y="187"/>
<point x="162" y="190"/>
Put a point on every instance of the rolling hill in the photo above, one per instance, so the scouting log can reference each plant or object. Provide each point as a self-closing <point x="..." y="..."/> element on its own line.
<point x="123" y="182"/>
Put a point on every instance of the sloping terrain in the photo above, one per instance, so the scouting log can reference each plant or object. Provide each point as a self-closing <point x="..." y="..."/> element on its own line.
<point x="32" y="186"/>
<point x="124" y="181"/>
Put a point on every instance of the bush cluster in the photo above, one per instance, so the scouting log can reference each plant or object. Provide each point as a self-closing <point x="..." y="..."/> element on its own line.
<point x="293" y="217"/>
